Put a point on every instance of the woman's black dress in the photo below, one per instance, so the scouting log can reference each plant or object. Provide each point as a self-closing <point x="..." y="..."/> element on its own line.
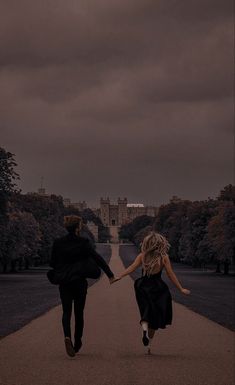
<point x="154" y="301"/>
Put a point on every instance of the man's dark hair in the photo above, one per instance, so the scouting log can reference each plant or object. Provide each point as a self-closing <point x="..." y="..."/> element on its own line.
<point x="72" y="222"/>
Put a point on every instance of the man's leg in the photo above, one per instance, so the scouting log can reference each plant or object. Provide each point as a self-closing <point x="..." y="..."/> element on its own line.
<point x="79" y="304"/>
<point x="67" y="301"/>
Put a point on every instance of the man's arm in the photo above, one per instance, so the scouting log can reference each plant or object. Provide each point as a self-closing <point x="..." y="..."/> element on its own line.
<point x="99" y="260"/>
<point x="53" y="259"/>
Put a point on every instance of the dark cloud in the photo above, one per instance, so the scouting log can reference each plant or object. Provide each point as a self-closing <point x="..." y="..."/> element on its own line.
<point x="129" y="98"/>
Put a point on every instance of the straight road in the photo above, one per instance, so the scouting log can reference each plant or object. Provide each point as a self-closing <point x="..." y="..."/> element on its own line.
<point x="193" y="351"/>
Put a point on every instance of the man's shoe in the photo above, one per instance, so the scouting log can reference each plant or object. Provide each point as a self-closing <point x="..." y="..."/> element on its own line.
<point x="77" y="346"/>
<point x="145" y="338"/>
<point x="69" y="347"/>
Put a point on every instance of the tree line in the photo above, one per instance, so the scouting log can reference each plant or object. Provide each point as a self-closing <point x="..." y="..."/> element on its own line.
<point x="200" y="232"/>
<point x="29" y="223"/>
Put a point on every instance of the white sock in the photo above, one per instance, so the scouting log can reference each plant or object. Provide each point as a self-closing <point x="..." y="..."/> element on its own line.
<point x="144" y="326"/>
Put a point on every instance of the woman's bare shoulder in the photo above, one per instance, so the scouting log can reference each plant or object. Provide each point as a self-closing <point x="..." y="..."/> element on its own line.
<point x="139" y="256"/>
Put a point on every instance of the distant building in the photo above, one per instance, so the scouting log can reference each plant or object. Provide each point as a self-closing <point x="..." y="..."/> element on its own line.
<point x="122" y="212"/>
<point x="112" y="214"/>
<point x="42" y="191"/>
<point x="82" y="205"/>
<point x="135" y="210"/>
<point x="67" y="202"/>
<point x="175" y="199"/>
<point x="79" y="205"/>
<point x="95" y="211"/>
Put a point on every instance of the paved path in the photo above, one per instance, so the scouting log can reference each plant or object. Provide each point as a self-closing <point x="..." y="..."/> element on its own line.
<point x="193" y="351"/>
<point x="114" y="233"/>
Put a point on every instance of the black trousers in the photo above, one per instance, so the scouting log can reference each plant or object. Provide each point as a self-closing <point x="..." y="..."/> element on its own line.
<point x="73" y="293"/>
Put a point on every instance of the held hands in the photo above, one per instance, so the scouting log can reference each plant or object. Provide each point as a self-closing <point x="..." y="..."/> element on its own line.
<point x="114" y="279"/>
<point x="185" y="291"/>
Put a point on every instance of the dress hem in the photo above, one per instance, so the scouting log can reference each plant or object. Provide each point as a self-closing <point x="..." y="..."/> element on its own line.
<point x="155" y="328"/>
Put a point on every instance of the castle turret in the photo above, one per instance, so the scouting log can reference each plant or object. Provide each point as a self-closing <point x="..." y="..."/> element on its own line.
<point x="104" y="210"/>
<point x="122" y="211"/>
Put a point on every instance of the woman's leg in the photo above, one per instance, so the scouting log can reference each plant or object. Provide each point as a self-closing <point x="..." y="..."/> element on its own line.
<point x="144" y="325"/>
<point x="145" y="338"/>
<point x="151" y="333"/>
<point x="143" y="304"/>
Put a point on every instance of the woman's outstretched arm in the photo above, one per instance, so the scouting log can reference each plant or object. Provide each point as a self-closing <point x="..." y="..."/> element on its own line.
<point x="172" y="276"/>
<point x="137" y="262"/>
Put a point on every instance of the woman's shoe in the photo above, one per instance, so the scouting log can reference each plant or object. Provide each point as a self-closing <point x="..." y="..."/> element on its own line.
<point x="69" y="347"/>
<point x="145" y="339"/>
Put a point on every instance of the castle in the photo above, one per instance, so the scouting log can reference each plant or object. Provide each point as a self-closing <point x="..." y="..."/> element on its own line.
<point x="81" y="205"/>
<point x="112" y="214"/>
<point x="122" y="212"/>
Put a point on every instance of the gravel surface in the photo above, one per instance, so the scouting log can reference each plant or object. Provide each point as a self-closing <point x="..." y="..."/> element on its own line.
<point x="27" y="295"/>
<point x="212" y="295"/>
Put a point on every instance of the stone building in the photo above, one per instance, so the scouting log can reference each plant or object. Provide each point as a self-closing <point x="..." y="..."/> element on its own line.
<point x="122" y="212"/>
<point x="175" y="199"/>
<point x="42" y="191"/>
<point x="81" y="205"/>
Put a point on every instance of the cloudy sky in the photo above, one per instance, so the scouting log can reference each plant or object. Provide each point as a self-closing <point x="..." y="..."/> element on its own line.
<point x="118" y="97"/>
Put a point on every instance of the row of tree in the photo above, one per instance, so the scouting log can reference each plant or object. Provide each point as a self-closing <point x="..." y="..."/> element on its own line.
<point x="200" y="233"/>
<point x="29" y="223"/>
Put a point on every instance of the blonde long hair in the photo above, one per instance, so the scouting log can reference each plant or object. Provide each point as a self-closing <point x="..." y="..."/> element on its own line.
<point x="154" y="248"/>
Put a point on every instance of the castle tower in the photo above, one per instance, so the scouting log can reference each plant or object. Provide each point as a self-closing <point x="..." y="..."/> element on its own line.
<point x="122" y="211"/>
<point x="104" y="210"/>
<point x="42" y="190"/>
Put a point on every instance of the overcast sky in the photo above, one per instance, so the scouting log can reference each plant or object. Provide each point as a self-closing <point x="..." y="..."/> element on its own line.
<point x="129" y="98"/>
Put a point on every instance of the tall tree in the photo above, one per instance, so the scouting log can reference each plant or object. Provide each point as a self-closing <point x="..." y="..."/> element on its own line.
<point x="8" y="176"/>
<point x="194" y="230"/>
<point x="227" y="194"/>
<point x="129" y="230"/>
<point x="23" y="238"/>
<point x="169" y="222"/>
<point x="48" y="212"/>
<point x="221" y="233"/>
<point x="139" y="237"/>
